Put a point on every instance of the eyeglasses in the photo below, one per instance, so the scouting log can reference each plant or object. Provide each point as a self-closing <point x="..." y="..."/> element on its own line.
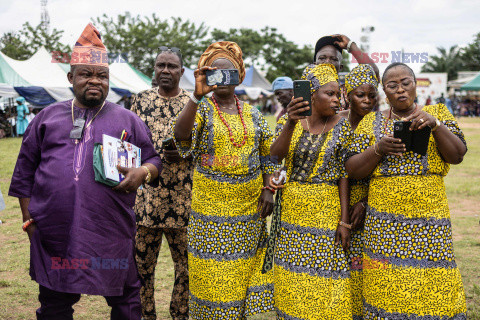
<point x="406" y="85"/>
<point x="171" y="49"/>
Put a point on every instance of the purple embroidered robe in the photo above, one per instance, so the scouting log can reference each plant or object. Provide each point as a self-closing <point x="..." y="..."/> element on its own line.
<point x="84" y="242"/>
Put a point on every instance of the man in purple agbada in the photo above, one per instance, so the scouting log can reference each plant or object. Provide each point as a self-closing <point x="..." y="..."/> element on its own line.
<point x="82" y="232"/>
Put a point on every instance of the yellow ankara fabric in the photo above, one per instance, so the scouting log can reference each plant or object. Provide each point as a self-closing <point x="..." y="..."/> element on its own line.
<point x="361" y="74"/>
<point x="319" y="75"/>
<point x="227" y="50"/>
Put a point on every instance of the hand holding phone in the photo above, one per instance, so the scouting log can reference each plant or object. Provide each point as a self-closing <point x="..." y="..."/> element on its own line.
<point x="222" y="77"/>
<point x="168" y="144"/>
<point x="301" y="88"/>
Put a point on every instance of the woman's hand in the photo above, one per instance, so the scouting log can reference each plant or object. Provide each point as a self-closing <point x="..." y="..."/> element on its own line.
<point x="295" y="107"/>
<point x="275" y="176"/>
<point x="420" y="119"/>
<point x="265" y="203"/>
<point x="343" y="40"/>
<point x="343" y="236"/>
<point x="357" y="215"/>
<point x="201" y="87"/>
<point x="389" y="145"/>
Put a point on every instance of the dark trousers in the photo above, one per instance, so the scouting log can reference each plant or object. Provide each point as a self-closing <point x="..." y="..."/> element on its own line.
<point x="56" y="305"/>
<point x="148" y="243"/>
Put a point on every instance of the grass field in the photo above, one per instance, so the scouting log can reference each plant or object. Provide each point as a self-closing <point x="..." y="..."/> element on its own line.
<point x="18" y="294"/>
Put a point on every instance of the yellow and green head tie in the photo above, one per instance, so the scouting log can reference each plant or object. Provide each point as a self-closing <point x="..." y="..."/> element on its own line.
<point x="319" y="75"/>
<point x="361" y="74"/>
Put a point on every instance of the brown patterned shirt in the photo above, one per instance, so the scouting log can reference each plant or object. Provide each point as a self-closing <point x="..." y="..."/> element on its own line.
<point x="168" y="205"/>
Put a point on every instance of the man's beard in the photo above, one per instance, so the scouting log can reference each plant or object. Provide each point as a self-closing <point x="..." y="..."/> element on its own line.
<point x="92" y="102"/>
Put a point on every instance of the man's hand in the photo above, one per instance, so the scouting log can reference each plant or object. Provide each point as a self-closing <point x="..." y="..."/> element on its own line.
<point x="172" y="156"/>
<point x="134" y="177"/>
<point x="31" y="230"/>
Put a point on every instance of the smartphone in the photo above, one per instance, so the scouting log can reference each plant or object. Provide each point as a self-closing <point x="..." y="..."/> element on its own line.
<point x="168" y="144"/>
<point x="416" y="141"/>
<point x="301" y="88"/>
<point x="222" y="77"/>
<point x="401" y="131"/>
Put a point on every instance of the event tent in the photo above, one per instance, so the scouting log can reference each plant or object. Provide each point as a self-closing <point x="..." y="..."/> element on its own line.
<point x="42" y="80"/>
<point x="473" y="85"/>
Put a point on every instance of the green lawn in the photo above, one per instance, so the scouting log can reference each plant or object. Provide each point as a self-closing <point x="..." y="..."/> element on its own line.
<point x="18" y="294"/>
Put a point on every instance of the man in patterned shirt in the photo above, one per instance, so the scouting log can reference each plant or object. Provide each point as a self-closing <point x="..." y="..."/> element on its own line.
<point x="164" y="210"/>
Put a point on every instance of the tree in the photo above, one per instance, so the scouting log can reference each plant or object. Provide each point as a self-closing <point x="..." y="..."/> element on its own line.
<point x="448" y="61"/>
<point x="268" y="50"/>
<point x="470" y="55"/>
<point x="139" y="38"/>
<point x="21" y="45"/>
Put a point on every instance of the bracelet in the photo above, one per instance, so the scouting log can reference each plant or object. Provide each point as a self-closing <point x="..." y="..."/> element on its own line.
<point x="27" y="224"/>
<point x="363" y="204"/>
<point x="346" y="225"/>
<point x="437" y="124"/>
<point x="349" y="45"/>
<point x="375" y="150"/>
<point x="149" y="174"/>
<point x="195" y="100"/>
<point x="269" y="189"/>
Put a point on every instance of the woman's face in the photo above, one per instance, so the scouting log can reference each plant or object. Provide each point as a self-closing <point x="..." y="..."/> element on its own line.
<point x="326" y="100"/>
<point x="223" y="63"/>
<point x="400" y="87"/>
<point x="363" y="99"/>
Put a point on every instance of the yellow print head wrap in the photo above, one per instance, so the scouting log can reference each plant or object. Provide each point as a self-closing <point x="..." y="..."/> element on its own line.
<point x="319" y="75"/>
<point x="361" y="74"/>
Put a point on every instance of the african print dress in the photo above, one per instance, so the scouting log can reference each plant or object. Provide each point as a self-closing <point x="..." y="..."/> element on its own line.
<point x="226" y="236"/>
<point x="358" y="191"/>
<point x="312" y="274"/>
<point x="409" y="269"/>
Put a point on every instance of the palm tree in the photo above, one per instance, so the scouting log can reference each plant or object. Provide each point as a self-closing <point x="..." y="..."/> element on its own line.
<point x="447" y="61"/>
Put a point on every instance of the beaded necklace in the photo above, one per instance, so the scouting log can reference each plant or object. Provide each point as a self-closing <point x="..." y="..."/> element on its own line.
<point x="230" y="133"/>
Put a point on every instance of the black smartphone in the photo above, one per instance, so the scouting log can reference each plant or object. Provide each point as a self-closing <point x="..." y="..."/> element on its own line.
<point x="222" y="77"/>
<point x="301" y="88"/>
<point x="401" y="131"/>
<point x="168" y="144"/>
<point x="416" y="141"/>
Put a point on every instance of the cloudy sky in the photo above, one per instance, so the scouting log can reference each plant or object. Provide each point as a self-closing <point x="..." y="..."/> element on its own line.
<point x="414" y="26"/>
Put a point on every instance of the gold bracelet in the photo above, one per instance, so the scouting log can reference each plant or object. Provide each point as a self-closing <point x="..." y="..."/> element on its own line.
<point x="375" y="150"/>
<point x="346" y="225"/>
<point x="149" y="175"/>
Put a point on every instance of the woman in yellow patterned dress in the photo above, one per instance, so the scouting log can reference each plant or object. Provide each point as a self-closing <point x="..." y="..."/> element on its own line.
<point x="409" y="269"/>
<point x="230" y="142"/>
<point x="361" y="89"/>
<point x="311" y="270"/>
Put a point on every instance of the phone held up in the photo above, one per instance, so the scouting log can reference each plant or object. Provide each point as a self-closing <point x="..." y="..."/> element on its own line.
<point x="168" y="144"/>
<point x="222" y="77"/>
<point x="301" y="88"/>
<point x="416" y="141"/>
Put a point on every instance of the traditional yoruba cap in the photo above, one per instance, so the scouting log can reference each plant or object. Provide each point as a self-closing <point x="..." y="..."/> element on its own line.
<point x="325" y="41"/>
<point x="224" y="49"/>
<point x="89" y="49"/>
<point x="20" y="99"/>
<point x="361" y="74"/>
<point x="319" y="75"/>
<point x="282" y="83"/>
